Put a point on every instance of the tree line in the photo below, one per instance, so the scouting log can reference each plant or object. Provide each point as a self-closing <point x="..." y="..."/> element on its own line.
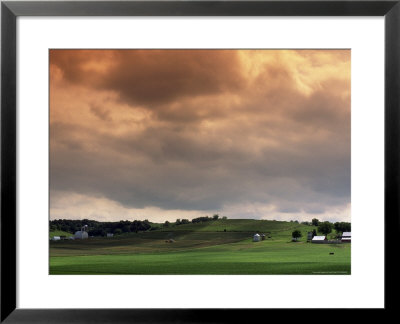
<point x="96" y="228"/>
<point x="100" y="228"/>
<point x="196" y="220"/>
<point x="325" y="228"/>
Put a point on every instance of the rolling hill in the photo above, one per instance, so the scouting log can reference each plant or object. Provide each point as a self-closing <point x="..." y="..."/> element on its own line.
<point x="213" y="247"/>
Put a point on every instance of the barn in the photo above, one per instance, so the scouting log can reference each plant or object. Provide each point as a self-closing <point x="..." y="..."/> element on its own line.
<point x="256" y="237"/>
<point x="82" y="234"/>
<point x="318" y="239"/>
<point x="346" y="237"/>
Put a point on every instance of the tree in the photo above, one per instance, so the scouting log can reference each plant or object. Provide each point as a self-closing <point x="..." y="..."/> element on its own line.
<point x="341" y="227"/>
<point x="346" y="227"/>
<point x="224" y="217"/>
<point x="118" y="231"/>
<point x="315" y="221"/>
<point x="126" y="229"/>
<point x="65" y="228"/>
<point x="314" y="232"/>
<point x="201" y="219"/>
<point x="166" y="224"/>
<point x="325" y="228"/>
<point x="215" y="217"/>
<point x="296" y="234"/>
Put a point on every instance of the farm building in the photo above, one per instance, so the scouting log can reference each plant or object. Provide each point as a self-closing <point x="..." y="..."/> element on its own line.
<point x="318" y="239"/>
<point x="256" y="237"/>
<point x="56" y="238"/>
<point x="82" y="234"/>
<point x="262" y="237"/>
<point x="110" y="234"/>
<point x="346" y="237"/>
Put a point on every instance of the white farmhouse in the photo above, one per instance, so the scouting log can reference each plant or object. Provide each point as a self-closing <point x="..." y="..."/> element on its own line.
<point x="256" y="237"/>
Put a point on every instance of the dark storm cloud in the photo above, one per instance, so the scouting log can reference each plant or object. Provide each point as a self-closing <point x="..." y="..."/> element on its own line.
<point x="153" y="77"/>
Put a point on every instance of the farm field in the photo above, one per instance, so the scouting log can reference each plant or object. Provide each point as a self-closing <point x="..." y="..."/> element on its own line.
<point x="203" y="248"/>
<point x="59" y="233"/>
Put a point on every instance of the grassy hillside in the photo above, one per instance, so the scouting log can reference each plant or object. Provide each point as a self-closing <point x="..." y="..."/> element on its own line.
<point x="202" y="248"/>
<point x="274" y="229"/>
<point x="148" y="242"/>
<point x="185" y="237"/>
<point x="59" y="233"/>
<point x="241" y="225"/>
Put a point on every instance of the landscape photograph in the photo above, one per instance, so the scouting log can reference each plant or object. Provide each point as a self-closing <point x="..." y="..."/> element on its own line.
<point x="200" y="161"/>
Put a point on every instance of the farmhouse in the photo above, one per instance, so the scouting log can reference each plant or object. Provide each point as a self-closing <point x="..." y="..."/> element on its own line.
<point x="318" y="239"/>
<point x="346" y="237"/>
<point x="256" y="237"/>
<point x="82" y="234"/>
<point x="110" y="234"/>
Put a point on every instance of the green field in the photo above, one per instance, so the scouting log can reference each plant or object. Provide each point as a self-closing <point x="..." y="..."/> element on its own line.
<point x="59" y="233"/>
<point x="217" y="247"/>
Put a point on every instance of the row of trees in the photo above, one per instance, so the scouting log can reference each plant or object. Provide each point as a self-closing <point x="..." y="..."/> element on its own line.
<point x="100" y="228"/>
<point x="326" y="228"/>
<point x="204" y="219"/>
<point x="201" y="219"/>
<point x="340" y="227"/>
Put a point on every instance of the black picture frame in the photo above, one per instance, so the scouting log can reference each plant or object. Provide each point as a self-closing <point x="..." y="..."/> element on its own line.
<point x="10" y="10"/>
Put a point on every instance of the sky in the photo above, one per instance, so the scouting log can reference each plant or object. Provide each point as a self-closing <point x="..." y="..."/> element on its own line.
<point x="168" y="134"/>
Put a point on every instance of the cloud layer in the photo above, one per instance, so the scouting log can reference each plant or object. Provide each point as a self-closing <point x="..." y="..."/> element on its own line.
<point x="200" y="131"/>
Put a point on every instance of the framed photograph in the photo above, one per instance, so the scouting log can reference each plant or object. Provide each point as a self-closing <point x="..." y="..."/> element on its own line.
<point x="183" y="161"/>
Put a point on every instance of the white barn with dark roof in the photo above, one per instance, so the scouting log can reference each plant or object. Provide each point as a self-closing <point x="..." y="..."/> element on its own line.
<point x="346" y="237"/>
